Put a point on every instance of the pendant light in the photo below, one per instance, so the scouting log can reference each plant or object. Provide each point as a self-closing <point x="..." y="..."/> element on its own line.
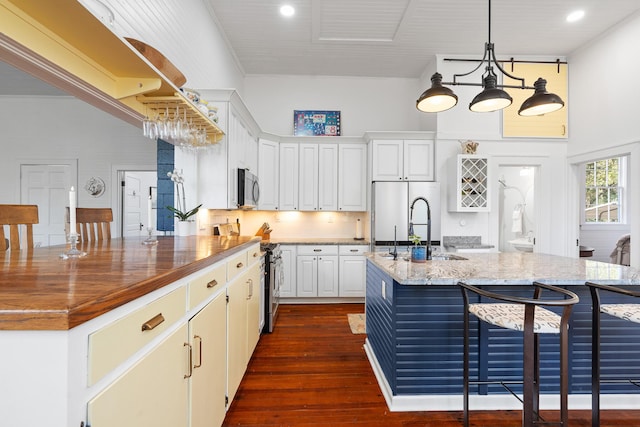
<point x="440" y="98"/>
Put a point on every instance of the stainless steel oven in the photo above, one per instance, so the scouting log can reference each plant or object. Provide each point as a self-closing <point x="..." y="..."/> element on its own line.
<point x="274" y="276"/>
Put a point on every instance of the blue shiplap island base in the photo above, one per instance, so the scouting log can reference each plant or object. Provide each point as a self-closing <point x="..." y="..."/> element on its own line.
<point x="414" y="332"/>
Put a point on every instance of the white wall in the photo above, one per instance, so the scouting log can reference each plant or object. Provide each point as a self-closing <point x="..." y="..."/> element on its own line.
<point x="604" y="89"/>
<point x="65" y="128"/>
<point x="366" y="104"/>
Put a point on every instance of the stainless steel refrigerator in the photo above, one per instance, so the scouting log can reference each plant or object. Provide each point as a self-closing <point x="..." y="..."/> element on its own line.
<point x="391" y="210"/>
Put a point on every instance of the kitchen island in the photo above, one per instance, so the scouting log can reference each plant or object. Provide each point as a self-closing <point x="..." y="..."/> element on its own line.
<point x="414" y="315"/>
<point x="121" y="328"/>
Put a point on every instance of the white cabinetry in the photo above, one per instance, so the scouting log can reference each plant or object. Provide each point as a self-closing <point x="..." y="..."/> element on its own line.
<point x="269" y="174"/>
<point x="317" y="271"/>
<point x="470" y="183"/>
<point x="352" y="177"/>
<point x="318" y="177"/>
<point x="353" y="270"/>
<point x="288" y="287"/>
<point x="288" y="176"/>
<point x="217" y="167"/>
<point x="403" y="160"/>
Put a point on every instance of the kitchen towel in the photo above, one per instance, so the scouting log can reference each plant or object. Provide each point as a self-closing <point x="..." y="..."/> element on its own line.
<point x="517" y="219"/>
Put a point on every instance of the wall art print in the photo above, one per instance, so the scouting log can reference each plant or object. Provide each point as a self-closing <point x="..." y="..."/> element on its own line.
<point x="316" y="123"/>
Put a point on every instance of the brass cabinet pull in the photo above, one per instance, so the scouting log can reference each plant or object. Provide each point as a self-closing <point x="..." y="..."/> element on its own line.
<point x="190" y="360"/>
<point x="153" y="322"/>
<point x="239" y="265"/>
<point x="212" y="283"/>
<point x="255" y="254"/>
<point x="250" y="282"/>
<point x="197" y="337"/>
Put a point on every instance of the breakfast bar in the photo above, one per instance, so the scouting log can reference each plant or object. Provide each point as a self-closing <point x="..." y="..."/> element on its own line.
<point x="130" y="326"/>
<point x="414" y="324"/>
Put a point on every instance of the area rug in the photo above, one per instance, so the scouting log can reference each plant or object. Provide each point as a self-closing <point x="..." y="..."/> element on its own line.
<point x="357" y="323"/>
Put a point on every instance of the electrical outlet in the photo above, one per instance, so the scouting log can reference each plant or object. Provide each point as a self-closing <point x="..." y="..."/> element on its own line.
<point x="384" y="290"/>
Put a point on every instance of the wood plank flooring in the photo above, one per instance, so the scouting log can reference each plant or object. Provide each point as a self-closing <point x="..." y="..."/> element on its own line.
<point x="312" y="371"/>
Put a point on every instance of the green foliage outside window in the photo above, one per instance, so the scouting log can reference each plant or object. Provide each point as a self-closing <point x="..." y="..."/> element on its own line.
<point x="602" y="191"/>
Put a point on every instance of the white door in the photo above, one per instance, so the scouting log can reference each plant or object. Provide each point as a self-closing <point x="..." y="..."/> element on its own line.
<point x="47" y="185"/>
<point x="133" y="205"/>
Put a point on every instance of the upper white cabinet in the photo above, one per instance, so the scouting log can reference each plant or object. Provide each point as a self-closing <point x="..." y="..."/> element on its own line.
<point x="318" y="177"/>
<point x="469" y="178"/>
<point x="218" y="167"/>
<point x="403" y="160"/>
<point x="288" y="176"/>
<point x="352" y="177"/>
<point x="269" y="174"/>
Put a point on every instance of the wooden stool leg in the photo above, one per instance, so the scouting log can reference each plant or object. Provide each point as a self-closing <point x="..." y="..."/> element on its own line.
<point x="595" y="359"/>
<point x="465" y="369"/>
<point x="528" y="369"/>
<point x="564" y="375"/>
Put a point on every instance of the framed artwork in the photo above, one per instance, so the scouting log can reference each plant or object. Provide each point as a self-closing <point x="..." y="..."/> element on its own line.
<point x="316" y="123"/>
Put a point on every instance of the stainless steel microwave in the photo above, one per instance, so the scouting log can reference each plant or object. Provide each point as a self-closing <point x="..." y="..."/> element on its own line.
<point x="248" y="190"/>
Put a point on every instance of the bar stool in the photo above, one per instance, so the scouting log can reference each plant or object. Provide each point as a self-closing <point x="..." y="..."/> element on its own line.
<point x="630" y="312"/>
<point x="517" y="313"/>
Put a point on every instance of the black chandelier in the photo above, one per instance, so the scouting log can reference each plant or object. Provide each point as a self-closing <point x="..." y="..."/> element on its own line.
<point x="492" y="98"/>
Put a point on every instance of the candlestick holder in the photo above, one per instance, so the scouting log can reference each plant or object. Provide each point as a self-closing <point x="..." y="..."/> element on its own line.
<point x="151" y="240"/>
<point x="73" y="251"/>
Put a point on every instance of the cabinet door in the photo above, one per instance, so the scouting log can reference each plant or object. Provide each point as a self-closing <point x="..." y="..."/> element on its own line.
<point x="327" y="276"/>
<point x="288" y="177"/>
<point x="352" y="177"/>
<point x="236" y="333"/>
<point x="288" y="287"/>
<point x="153" y="393"/>
<point x="352" y="276"/>
<point x="208" y="334"/>
<point x="418" y="160"/>
<point x="387" y="160"/>
<point x="268" y="173"/>
<point x="307" y="276"/>
<point x="308" y="191"/>
<point x="253" y="309"/>
<point x="328" y="177"/>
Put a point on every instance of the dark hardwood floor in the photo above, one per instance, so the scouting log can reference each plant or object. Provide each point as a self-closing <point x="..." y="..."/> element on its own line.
<point x="312" y="371"/>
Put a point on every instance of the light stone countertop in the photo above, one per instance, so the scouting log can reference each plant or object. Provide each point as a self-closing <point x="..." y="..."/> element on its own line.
<point x="318" y="241"/>
<point x="504" y="268"/>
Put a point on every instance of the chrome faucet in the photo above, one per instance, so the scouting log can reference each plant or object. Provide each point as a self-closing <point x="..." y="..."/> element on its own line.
<point x="428" y="223"/>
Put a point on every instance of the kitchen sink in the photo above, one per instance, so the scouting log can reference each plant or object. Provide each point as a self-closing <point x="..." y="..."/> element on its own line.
<point x="441" y="257"/>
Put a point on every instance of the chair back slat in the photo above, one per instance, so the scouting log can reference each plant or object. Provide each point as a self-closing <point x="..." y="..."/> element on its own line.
<point x="93" y="224"/>
<point x="13" y="216"/>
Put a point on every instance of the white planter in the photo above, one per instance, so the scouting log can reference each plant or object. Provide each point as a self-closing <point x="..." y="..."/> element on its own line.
<point x="183" y="228"/>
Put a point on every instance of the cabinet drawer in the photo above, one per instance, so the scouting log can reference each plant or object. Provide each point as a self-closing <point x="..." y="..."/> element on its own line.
<point x="318" y="250"/>
<point x="236" y="265"/>
<point x="353" y="249"/>
<point x="206" y="284"/>
<point x="113" y="344"/>
<point x="253" y="254"/>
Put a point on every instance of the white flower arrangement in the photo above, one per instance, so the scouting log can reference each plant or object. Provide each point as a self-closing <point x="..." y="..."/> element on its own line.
<point x="180" y="211"/>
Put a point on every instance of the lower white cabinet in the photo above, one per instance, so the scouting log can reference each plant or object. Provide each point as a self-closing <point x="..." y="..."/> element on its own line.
<point x="317" y="271"/>
<point x="353" y="271"/>
<point x="288" y="287"/>
<point x="153" y="392"/>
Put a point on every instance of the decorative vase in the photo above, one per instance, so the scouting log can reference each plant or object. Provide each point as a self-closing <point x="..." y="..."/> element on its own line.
<point x="183" y="228"/>
<point x="418" y="254"/>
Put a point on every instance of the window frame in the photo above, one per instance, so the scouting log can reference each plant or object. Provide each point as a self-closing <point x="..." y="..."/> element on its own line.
<point x="623" y="185"/>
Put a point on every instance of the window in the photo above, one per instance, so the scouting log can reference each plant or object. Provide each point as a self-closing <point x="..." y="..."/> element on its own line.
<point x="604" y="191"/>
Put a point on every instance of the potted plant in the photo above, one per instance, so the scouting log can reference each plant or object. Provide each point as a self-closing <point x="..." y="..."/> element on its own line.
<point x="183" y="225"/>
<point x="418" y="251"/>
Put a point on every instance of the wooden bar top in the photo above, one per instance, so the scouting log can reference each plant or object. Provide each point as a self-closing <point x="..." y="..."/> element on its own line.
<point x="41" y="291"/>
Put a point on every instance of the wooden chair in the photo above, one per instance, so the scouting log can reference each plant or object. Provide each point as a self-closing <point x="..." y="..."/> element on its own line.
<point x="14" y="216"/>
<point x="93" y="224"/>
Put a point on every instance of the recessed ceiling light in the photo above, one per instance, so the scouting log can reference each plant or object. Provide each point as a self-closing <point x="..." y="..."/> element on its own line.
<point x="575" y="16"/>
<point x="287" y="10"/>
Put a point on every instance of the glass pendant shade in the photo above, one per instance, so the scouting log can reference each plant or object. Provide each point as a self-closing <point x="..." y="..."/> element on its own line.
<point x="491" y="98"/>
<point x="437" y="98"/>
<point x="541" y="102"/>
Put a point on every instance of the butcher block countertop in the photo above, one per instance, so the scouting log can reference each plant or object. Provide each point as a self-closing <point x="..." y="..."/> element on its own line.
<point x="41" y="291"/>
